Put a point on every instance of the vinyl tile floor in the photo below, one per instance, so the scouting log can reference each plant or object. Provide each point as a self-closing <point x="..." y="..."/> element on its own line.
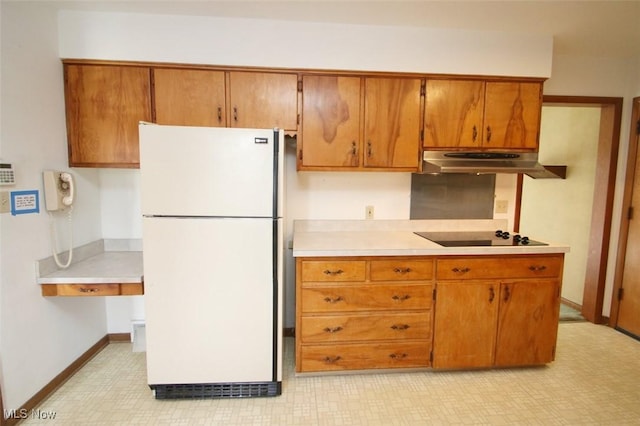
<point x="595" y="380"/>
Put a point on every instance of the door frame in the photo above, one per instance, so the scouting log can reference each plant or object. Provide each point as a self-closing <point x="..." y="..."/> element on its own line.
<point x="604" y="189"/>
<point x="634" y="134"/>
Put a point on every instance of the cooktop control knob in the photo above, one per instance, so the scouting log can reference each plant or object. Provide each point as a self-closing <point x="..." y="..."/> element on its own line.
<point x="502" y="234"/>
<point x="517" y="238"/>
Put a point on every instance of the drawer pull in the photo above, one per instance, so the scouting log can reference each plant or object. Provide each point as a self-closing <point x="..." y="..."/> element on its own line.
<point x="460" y="270"/>
<point x="332" y="329"/>
<point x="332" y="359"/>
<point x="402" y="271"/>
<point x="334" y="299"/>
<point x="400" y="298"/>
<point x="537" y="268"/>
<point x="400" y="326"/>
<point x="333" y="273"/>
<point x="398" y="356"/>
<point x="88" y="290"/>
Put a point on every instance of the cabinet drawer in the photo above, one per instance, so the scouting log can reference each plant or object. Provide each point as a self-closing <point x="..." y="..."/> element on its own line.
<point x="499" y="267"/>
<point x="88" y="289"/>
<point x="366" y="297"/>
<point x="401" y="270"/>
<point x="363" y="356"/>
<point x="345" y="270"/>
<point x="341" y="328"/>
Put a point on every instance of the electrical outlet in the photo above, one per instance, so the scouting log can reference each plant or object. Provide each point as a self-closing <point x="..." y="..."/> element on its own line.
<point x="368" y="214"/>
<point x="5" y="202"/>
<point x="502" y="206"/>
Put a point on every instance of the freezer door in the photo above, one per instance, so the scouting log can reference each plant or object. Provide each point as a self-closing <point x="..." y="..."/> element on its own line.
<point x="213" y="312"/>
<point x="203" y="171"/>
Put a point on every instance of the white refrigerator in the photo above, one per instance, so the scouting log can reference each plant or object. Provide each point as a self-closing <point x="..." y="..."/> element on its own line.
<point x="212" y="206"/>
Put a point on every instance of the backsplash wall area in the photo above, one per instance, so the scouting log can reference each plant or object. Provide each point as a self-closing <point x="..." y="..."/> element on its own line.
<point x="452" y="196"/>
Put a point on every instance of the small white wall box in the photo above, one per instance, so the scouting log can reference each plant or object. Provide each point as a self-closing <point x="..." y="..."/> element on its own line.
<point x="138" y="336"/>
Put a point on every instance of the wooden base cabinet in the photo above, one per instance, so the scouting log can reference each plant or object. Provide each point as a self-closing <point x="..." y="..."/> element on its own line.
<point x="496" y="311"/>
<point x="363" y="313"/>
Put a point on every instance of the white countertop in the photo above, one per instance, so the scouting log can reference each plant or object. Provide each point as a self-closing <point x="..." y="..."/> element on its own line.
<point x="93" y="265"/>
<point x="397" y="238"/>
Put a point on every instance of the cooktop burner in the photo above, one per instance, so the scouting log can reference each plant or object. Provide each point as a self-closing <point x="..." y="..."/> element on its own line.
<point x="478" y="238"/>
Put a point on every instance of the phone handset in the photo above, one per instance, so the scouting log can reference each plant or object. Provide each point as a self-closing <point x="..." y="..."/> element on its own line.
<point x="66" y="182"/>
<point x="59" y="190"/>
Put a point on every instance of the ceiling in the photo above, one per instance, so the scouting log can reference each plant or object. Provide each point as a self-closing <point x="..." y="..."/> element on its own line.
<point x="584" y="28"/>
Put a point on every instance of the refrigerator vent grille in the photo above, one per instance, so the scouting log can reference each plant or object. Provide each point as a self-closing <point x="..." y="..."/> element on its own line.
<point x="217" y="390"/>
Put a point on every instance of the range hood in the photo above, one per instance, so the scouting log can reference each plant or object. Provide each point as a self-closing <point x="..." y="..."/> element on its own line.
<point x="488" y="162"/>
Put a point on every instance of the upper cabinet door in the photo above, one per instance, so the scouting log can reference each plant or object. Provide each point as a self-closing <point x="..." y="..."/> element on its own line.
<point x="330" y="122"/>
<point x="453" y="114"/>
<point x="185" y="97"/>
<point x="104" y="104"/>
<point x="263" y="100"/>
<point x="392" y="123"/>
<point x="512" y="115"/>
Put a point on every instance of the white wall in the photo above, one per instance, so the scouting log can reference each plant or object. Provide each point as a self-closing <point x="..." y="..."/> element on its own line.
<point x="39" y="336"/>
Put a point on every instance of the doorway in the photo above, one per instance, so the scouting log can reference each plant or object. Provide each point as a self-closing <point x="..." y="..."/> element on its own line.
<point x="599" y="224"/>
<point x="625" y="306"/>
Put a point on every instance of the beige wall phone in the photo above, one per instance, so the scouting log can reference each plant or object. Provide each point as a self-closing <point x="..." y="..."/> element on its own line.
<point x="59" y="195"/>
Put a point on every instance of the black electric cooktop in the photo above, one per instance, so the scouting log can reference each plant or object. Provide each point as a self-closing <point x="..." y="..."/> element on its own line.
<point x="478" y="238"/>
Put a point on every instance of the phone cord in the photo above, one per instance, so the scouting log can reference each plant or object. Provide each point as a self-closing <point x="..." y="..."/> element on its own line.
<point x="54" y="237"/>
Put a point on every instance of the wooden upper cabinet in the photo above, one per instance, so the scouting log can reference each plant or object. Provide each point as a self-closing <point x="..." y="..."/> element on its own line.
<point x="488" y="115"/>
<point x="356" y="123"/>
<point x="104" y="104"/>
<point x="186" y="97"/>
<point x="263" y="100"/>
<point x="512" y="115"/>
<point x="330" y="122"/>
<point x="392" y="122"/>
<point x="453" y="113"/>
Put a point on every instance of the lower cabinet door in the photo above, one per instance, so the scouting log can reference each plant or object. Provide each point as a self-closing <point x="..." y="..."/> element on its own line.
<point x="465" y="324"/>
<point x="315" y="358"/>
<point x="528" y="322"/>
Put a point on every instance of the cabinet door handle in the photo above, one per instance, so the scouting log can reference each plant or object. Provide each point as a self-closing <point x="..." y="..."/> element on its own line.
<point x="369" y="152"/>
<point x="474" y="134"/>
<point x="492" y="294"/>
<point x="88" y="290"/>
<point x="332" y="329"/>
<point x="460" y="270"/>
<point x="488" y="133"/>
<point x="333" y="300"/>
<point x="219" y="114"/>
<point x="332" y="359"/>
<point x="537" y="268"/>
<point x="235" y="113"/>
<point x="333" y="273"/>
<point x="353" y="148"/>
<point x="398" y="356"/>
<point x="400" y="298"/>
<point x="400" y="326"/>
<point x="507" y="293"/>
<point x="401" y="271"/>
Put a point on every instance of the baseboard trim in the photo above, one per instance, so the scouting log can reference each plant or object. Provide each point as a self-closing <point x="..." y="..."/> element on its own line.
<point x="57" y="381"/>
<point x="571" y="304"/>
<point x="119" y="337"/>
